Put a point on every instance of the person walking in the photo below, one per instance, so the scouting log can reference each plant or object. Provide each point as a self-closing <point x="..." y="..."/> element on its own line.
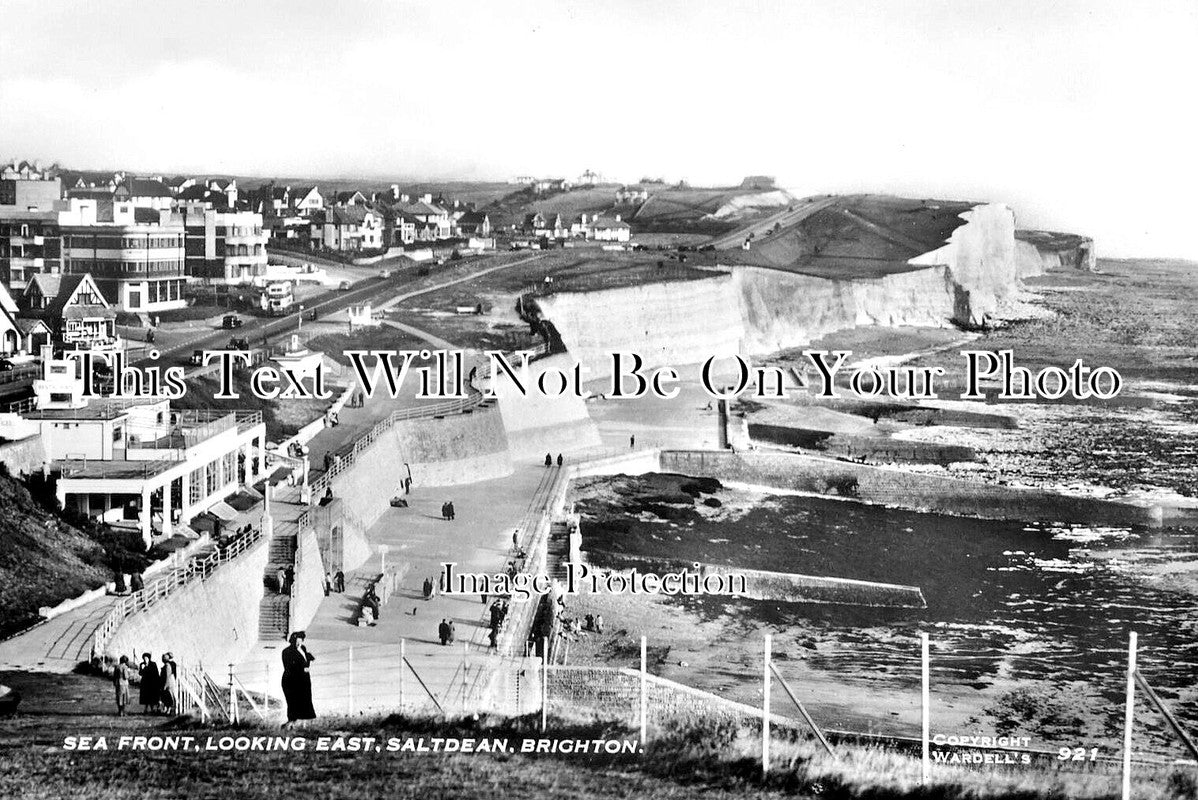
<point x="443" y="632"/>
<point x="148" y="693"/>
<point x="632" y="441"/>
<point x="120" y="682"/>
<point x="494" y="637"/>
<point x="548" y="460"/>
<point x="559" y="459"/>
<point x="297" y="682"/>
<point x="598" y="623"/>
<point x="339" y="581"/>
<point x="516" y="539"/>
<point x="281" y="577"/>
<point x="328" y="583"/>
<point x="427" y="588"/>
<point x="445" y="511"/>
<point x="451" y="631"/>
<point x="452" y="514"/>
<point x="169" y="680"/>
<point x="289" y="579"/>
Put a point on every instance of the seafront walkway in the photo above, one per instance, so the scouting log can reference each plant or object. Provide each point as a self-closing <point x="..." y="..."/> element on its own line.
<point x="418" y="541"/>
<point x="58" y="644"/>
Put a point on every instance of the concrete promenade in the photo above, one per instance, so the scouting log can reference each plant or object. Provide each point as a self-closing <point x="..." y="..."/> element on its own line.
<point x="58" y="644"/>
<point x="418" y="541"/>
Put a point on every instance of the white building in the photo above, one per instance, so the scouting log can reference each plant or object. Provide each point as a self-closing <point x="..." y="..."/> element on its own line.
<point x="141" y="461"/>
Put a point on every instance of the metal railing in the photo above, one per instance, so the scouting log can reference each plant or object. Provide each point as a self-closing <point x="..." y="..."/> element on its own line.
<point x="198" y="568"/>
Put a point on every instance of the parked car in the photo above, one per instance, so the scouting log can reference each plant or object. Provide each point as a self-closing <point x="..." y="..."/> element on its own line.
<point x="343" y="286"/>
<point x="197" y="357"/>
<point x="232" y="321"/>
<point x="239" y="343"/>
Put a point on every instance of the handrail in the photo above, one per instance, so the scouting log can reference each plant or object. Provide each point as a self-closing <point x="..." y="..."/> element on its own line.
<point x="196" y="569"/>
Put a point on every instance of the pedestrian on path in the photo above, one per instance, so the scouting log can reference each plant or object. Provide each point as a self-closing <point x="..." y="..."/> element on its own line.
<point x="449" y="508"/>
<point x="149" y="690"/>
<point x="559" y="459"/>
<point x="632" y="441"/>
<point x="451" y="631"/>
<point x="428" y="589"/>
<point x="339" y="581"/>
<point x="281" y="578"/>
<point x="297" y="682"/>
<point x="445" y="511"/>
<point x="548" y="460"/>
<point x="328" y="583"/>
<point x="516" y="539"/>
<point x="598" y="623"/>
<point x="169" y="674"/>
<point x="443" y="632"/>
<point x="120" y="682"/>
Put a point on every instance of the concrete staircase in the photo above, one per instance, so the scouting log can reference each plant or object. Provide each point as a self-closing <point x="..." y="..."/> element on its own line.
<point x="274" y="614"/>
<point x="558" y="549"/>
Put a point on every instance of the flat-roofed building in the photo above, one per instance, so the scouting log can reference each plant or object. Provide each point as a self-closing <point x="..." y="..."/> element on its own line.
<point x="135" y="255"/>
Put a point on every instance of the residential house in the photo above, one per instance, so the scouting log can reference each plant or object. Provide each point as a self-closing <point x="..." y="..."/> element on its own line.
<point x="347" y="229"/>
<point x="474" y="223"/>
<point x="354" y="198"/>
<point x="144" y="193"/>
<point x="73" y="310"/>
<point x="610" y="230"/>
<point x="631" y="195"/>
<point x="224" y="246"/>
<point x="11" y="336"/>
<point x="547" y="225"/>
<point x="306" y="200"/>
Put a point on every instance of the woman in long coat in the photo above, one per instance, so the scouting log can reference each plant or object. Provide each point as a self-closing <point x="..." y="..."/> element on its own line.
<point x="297" y="683"/>
<point x="148" y="694"/>
<point x="168" y="677"/>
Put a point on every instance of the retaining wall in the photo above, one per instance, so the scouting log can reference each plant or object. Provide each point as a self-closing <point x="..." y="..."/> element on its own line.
<point x="23" y="456"/>
<point x="211" y="622"/>
<point x="893" y="487"/>
<point x="536" y="423"/>
<point x="308" y="590"/>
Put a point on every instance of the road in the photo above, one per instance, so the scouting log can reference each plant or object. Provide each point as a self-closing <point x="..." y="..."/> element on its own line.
<point x="797" y="213"/>
<point x="332" y="302"/>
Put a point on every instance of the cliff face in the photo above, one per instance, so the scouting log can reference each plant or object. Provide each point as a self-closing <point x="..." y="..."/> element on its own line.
<point x="757" y="310"/>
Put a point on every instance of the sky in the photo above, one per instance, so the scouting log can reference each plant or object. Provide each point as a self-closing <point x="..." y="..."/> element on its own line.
<point x="1079" y="115"/>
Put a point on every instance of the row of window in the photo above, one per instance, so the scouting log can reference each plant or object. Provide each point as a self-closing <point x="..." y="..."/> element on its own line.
<point x="107" y="266"/>
<point x="122" y="242"/>
<point x="244" y="250"/>
<point x="215" y="474"/>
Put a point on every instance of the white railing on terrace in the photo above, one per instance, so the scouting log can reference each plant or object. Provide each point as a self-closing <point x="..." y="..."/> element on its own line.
<point x="198" y="568"/>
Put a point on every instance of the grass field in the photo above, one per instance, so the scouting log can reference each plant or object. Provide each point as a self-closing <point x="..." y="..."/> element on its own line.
<point x="680" y="760"/>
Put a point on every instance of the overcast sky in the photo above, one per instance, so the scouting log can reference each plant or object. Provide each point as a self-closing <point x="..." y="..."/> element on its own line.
<point x="1077" y="114"/>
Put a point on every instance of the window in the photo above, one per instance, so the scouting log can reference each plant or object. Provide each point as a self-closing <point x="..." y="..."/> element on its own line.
<point x="195" y="486"/>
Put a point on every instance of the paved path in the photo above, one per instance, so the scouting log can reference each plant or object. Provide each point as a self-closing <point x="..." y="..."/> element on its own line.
<point x="59" y="644"/>
<point x="479" y="539"/>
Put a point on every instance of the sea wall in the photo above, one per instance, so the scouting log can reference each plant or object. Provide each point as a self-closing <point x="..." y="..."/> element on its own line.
<point x="440" y="451"/>
<point x="900" y="489"/>
<point x="536" y="423"/>
<point x="23" y="456"/>
<point x="666" y="323"/>
<point x="211" y="622"/>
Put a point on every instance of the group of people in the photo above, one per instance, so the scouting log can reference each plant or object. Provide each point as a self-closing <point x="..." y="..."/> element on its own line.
<point x="447" y="511"/>
<point x="429" y="588"/>
<point x="336" y="583"/>
<point x="445" y="632"/>
<point x="370" y="605"/>
<point x="549" y="460"/>
<point x="358" y="400"/>
<point x="499" y="611"/>
<point x="158" y="689"/>
<point x="285" y="577"/>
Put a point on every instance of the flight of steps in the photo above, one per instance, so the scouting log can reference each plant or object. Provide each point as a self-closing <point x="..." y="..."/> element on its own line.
<point x="273" y="616"/>
<point x="274" y="610"/>
<point x="558" y="549"/>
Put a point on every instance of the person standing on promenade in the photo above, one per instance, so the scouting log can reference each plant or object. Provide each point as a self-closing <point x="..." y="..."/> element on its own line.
<point x="297" y="682"/>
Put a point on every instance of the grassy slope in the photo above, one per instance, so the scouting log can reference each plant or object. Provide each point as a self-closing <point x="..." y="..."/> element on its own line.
<point x="42" y="559"/>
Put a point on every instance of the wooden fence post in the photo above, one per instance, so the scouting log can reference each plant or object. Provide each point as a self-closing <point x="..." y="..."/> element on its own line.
<point x="1129" y="711"/>
<point x="644" y="688"/>
<point x="925" y="704"/>
<point x="765" y="710"/>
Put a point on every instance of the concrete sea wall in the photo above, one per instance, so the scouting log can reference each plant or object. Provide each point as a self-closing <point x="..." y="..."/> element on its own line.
<point x="536" y="423"/>
<point x="211" y="622"/>
<point x="900" y="489"/>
